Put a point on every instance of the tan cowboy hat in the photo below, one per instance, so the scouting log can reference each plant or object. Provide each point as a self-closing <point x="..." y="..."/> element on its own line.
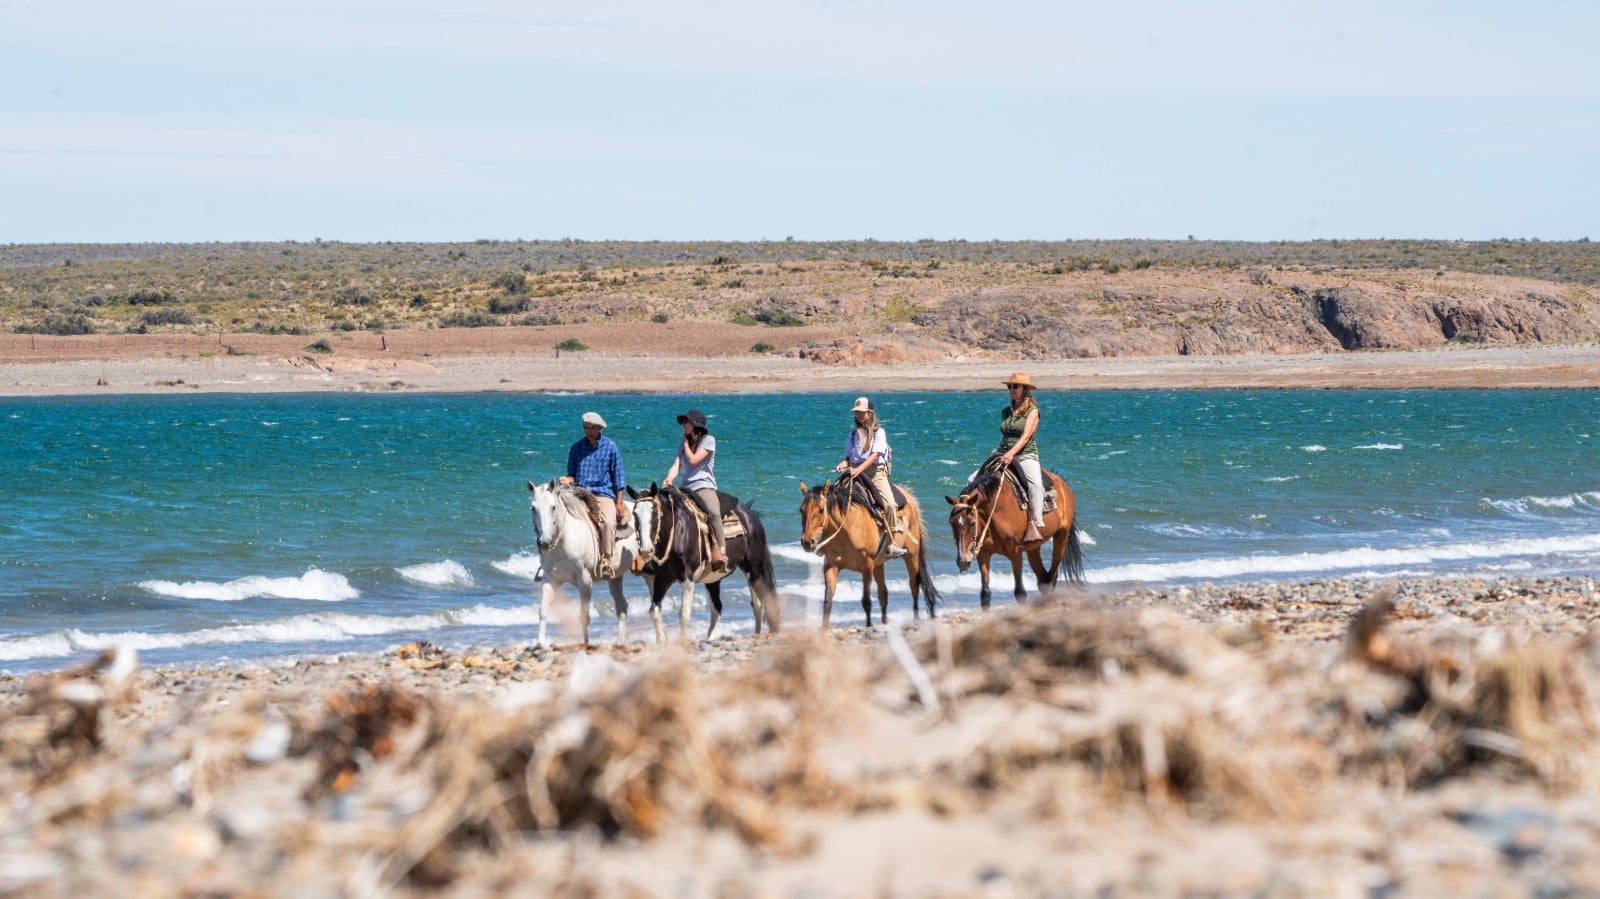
<point x="1018" y="377"/>
<point x="862" y="405"/>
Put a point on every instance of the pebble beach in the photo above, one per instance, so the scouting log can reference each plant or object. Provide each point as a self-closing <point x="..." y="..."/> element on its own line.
<point x="1338" y="737"/>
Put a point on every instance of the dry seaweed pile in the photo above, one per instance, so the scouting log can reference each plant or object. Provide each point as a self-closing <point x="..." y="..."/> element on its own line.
<point x="428" y="771"/>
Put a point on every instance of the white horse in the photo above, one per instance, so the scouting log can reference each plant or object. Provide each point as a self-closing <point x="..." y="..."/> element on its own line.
<point x="569" y="549"/>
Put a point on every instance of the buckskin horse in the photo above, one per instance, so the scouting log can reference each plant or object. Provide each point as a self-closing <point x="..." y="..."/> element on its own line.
<point x="836" y="524"/>
<point x="988" y="520"/>
<point x="674" y="548"/>
<point x="569" y="550"/>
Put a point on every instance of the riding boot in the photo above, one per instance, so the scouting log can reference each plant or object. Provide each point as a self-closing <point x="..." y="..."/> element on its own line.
<point x="1032" y="535"/>
<point x="719" y="558"/>
<point x="604" y="569"/>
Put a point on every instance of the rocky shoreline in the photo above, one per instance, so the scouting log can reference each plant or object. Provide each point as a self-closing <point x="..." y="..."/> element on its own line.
<point x="1337" y="737"/>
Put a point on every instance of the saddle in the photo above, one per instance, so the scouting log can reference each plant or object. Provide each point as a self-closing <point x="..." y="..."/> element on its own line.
<point x="1019" y="488"/>
<point x="863" y="495"/>
<point x="732" y="525"/>
<point x="1013" y="477"/>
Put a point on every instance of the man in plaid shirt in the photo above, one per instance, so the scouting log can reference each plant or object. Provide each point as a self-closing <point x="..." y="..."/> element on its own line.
<point x="595" y="464"/>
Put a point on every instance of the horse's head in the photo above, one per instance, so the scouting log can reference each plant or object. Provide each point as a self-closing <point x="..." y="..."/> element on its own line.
<point x="646" y="525"/>
<point x="546" y="508"/>
<point x="967" y="518"/>
<point x="813" y="515"/>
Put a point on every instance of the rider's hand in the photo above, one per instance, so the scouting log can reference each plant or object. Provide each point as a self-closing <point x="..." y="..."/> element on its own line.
<point x="841" y="467"/>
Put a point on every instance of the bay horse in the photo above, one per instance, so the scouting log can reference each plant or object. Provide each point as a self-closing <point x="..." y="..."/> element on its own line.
<point x="674" y="549"/>
<point x="836" y="524"/>
<point x="987" y="521"/>
<point x="569" y="549"/>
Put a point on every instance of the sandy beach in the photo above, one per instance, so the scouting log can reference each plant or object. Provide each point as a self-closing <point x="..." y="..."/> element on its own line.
<point x="629" y="358"/>
<point x="1331" y="738"/>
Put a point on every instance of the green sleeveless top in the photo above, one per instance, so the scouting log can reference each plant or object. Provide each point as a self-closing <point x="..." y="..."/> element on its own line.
<point x="1012" y="426"/>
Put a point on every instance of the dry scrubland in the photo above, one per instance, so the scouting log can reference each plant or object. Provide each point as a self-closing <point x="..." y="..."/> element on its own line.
<point x="857" y="302"/>
<point x="1322" y="739"/>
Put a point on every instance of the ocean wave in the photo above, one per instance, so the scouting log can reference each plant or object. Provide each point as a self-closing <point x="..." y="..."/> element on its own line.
<point x="1314" y="448"/>
<point x="321" y="627"/>
<point x="448" y="573"/>
<point x="315" y="585"/>
<point x="1499" y="552"/>
<point x="523" y="565"/>
<point x="1532" y="505"/>
<point x="1381" y="446"/>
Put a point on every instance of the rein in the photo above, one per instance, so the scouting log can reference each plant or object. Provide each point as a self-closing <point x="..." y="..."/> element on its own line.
<point x="672" y="532"/>
<point x="843" y="513"/>
<point x="994" y="502"/>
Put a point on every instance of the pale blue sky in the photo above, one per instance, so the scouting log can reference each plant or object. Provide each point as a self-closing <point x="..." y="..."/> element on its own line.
<point x="442" y="120"/>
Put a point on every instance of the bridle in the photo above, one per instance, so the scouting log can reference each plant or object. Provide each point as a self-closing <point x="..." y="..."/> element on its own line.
<point x="824" y="498"/>
<point x="672" y="531"/>
<point x="980" y="534"/>
<point x="555" y="518"/>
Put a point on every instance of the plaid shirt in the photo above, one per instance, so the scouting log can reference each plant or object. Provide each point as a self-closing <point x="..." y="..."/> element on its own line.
<point x="597" y="468"/>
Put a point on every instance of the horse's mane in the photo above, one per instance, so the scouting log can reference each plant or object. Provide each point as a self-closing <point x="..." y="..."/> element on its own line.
<point x="985" y="481"/>
<point x="841" y="497"/>
<point x="578" y="502"/>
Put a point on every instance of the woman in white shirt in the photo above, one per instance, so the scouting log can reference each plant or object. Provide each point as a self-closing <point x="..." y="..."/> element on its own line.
<point x="866" y="457"/>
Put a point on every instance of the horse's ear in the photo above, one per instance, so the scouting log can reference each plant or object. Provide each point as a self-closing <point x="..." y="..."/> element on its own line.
<point x="803" y="489"/>
<point x="632" y="493"/>
<point x="653" y="488"/>
<point x="951" y="500"/>
<point x="530" y="486"/>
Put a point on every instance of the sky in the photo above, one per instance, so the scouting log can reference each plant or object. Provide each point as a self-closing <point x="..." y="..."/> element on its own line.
<point x="459" y="120"/>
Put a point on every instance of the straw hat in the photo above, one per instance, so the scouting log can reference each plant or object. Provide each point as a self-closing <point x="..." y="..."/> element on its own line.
<point x="1022" y="378"/>
<point x="862" y="405"/>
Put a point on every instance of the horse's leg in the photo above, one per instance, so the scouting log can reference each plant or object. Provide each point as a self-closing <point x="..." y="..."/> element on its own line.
<point x="658" y="589"/>
<point x="830" y="580"/>
<point x="585" y="589"/>
<point x="983" y="579"/>
<point x="685" y="606"/>
<point x="547" y="595"/>
<point x="714" y="602"/>
<point x="883" y="596"/>
<point x="621" y="602"/>
<point x="867" y="577"/>
<point x="1017" y="589"/>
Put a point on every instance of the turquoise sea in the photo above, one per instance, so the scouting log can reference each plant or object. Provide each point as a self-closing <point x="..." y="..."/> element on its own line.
<point x="215" y="528"/>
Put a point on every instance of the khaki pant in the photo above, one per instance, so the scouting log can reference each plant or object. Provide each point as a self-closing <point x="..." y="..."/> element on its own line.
<point x="1033" y="476"/>
<point x="880" y="483"/>
<point x="708" y="497"/>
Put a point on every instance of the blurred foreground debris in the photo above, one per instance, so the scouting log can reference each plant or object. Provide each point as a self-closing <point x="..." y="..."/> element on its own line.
<point x="429" y="768"/>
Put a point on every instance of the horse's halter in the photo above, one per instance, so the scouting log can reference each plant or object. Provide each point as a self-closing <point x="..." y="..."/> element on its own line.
<point x="672" y="532"/>
<point x="979" y="534"/>
<point x="555" y="520"/>
<point x="827" y="511"/>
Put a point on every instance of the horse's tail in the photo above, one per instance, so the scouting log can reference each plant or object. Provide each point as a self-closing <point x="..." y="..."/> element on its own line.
<point x="758" y="558"/>
<point x="1072" y="564"/>
<point x="924" y="575"/>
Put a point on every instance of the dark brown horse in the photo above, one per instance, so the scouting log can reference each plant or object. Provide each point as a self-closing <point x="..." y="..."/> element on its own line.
<point x="836" y="524"/>
<point x="988" y="521"/>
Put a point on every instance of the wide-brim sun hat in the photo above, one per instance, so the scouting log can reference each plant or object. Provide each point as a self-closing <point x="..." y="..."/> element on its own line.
<point x="862" y="405"/>
<point x="593" y="418"/>
<point x="694" y="417"/>
<point x="1019" y="377"/>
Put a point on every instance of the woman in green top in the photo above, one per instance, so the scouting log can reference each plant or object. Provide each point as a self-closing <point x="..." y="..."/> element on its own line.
<point x="1019" y="421"/>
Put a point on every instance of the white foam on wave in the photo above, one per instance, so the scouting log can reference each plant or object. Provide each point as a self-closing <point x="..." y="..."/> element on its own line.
<point x="523" y="565"/>
<point x="1314" y="448"/>
<point x="319" y="627"/>
<point x="1527" y="505"/>
<point x="315" y="585"/>
<point x="1347" y="559"/>
<point x="448" y="573"/>
<point x="1381" y="446"/>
